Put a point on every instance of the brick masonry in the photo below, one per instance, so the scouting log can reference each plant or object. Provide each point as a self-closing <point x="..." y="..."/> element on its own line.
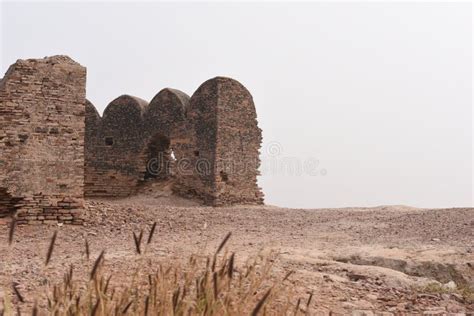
<point x="208" y="145"/>
<point x="56" y="148"/>
<point x="42" y="108"/>
<point x="113" y="145"/>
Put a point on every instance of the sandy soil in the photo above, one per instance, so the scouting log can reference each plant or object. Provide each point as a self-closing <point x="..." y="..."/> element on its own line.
<point x="354" y="260"/>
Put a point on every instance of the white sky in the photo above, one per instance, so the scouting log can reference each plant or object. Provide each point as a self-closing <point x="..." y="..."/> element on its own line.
<point x="379" y="93"/>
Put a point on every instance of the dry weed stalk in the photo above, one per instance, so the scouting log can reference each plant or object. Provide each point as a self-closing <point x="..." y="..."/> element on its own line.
<point x="51" y="247"/>
<point x="206" y="285"/>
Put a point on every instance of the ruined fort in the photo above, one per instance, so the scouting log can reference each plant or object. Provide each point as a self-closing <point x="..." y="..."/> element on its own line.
<point x="56" y="150"/>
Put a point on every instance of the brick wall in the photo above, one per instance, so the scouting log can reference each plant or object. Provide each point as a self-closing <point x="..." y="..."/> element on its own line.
<point x="125" y="147"/>
<point x="208" y="145"/>
<point x="55" y="147"/>
<point x="228" y="140"/>
<point x="42" y="108"/>
<point x="113" y="146"/>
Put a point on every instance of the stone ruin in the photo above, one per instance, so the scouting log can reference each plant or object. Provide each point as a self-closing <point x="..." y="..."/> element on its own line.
<point x="56" y="149"/>
<point x="42" y="124"/>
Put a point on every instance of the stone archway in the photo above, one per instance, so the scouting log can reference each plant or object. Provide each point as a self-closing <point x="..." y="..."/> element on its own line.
<point x="159" y="158"/>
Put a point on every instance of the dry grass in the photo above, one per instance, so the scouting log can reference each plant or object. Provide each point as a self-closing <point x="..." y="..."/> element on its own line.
<point x="205" y="285"/>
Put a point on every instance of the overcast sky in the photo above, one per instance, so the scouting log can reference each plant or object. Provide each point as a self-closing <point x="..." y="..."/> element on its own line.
<point x="380" y="94"/>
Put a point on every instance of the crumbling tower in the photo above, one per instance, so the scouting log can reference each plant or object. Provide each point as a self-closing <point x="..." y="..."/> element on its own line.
<point x="42" y="140"/>
<point x="226" y="141"/>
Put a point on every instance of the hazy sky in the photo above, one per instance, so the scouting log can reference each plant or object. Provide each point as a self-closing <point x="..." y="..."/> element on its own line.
<point x="379" y="93"/>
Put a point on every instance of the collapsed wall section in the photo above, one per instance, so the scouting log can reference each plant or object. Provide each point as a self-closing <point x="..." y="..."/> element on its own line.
<point x="42" y="108"/>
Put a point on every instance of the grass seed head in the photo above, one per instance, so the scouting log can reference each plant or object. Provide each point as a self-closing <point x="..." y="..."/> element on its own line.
<point x="260" y="303"/>
<point x="17" y="293"/>
<point x="152" y="232"/>
<point x="223" y="242"/>
<point x="51" y="247"/>
<point x="88" y="253"/>
<point x="96" y="265"/>
<point x="11" y="232"/>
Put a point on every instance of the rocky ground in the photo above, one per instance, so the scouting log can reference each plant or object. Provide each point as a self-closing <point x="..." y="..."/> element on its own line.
<point x="390" y="259"/>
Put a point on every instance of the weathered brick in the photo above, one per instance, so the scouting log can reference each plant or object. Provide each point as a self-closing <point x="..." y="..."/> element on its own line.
<point x="39" y="99"/>
<point x="56" y="148"/>
<point x="50" y="222"/>
<point x="214" y="138"/>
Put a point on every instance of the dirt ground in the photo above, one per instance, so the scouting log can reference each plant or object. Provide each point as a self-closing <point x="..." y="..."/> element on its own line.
<point x="391" y="259"/>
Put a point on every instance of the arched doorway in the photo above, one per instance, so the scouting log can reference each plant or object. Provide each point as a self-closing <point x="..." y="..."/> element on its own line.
<point x="160" y="158"/>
